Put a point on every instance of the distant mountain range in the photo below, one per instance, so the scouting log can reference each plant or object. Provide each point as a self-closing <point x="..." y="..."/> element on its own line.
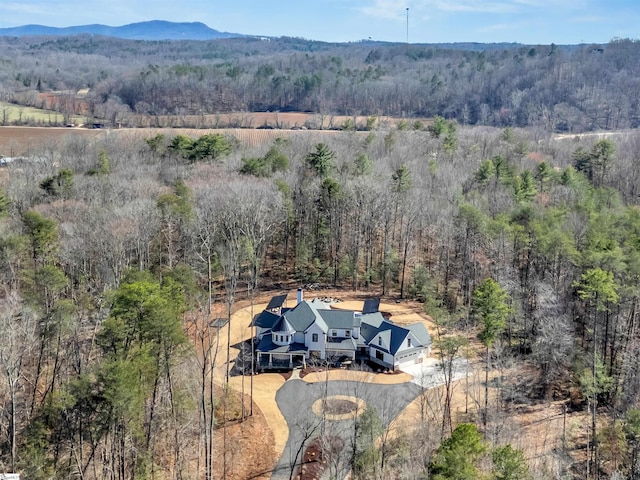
<point x="152" y="30"/>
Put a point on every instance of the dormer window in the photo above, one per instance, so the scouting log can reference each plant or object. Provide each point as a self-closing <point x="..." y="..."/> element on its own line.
<point x="380" y="341"/>
<point x="408" y="342"/>
<point x="334" y="333"/>
<point x="347" y="333"/>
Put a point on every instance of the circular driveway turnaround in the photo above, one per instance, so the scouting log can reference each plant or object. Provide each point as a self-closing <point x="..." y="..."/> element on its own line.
<point x="296" y="398"/>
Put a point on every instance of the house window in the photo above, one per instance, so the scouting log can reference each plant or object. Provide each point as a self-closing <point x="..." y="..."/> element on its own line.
<point x="379" y="355"/>
<point x="380" y="341"/>
<point x="408" y="342"/>
<point x="334" y="333"/>
<point x="347" y="333"/>
<point x="314" y="337"/>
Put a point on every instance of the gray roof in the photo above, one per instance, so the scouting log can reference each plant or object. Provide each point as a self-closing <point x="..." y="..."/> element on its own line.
<point x="283" y="326"/>
<point x="421" y="333"/>
<point x="266" y="345"/>
<point x="373" y="319"/>
<point x="339" y="318"/>
<point x="343" y="344"/>
<point x="369" y="325"/>
<point x="305" y="313"/>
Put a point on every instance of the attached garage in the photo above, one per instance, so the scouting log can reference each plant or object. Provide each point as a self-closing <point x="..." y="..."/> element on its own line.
<point x="409" y="358"/>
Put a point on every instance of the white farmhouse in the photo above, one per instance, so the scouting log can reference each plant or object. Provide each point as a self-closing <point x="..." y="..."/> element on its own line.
<point x="312" y="330"/>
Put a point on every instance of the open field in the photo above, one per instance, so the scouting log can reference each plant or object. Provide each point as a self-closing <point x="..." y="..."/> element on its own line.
<point x="271" y="120"/>
<point x="11" y="113"/>
<point x="249" y="128"/>
<point x="18" y="141"/>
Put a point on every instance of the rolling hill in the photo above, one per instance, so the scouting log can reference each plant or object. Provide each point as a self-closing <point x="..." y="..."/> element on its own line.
<point x="151" y="30"/>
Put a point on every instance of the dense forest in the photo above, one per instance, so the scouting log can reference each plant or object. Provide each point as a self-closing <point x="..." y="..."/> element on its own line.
<point x="526" y="242"/>
<point x="558" y="88"/>
<point x="523" y="245"/>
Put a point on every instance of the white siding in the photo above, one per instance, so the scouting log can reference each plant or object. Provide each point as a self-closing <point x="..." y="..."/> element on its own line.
<point x="405" y="345"/>
<point x="340" y="332"/>
<point x="387" y="358"/>
<point x="316" y="346"/>
<point x="409" y="358"/>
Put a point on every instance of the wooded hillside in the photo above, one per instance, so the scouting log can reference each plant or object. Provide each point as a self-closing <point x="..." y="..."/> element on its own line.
<point x="521" y="241"/>
<point x="556" y="88"/>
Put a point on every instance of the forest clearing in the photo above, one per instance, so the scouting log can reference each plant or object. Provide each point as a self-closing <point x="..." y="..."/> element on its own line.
<point x="538" y="430"/>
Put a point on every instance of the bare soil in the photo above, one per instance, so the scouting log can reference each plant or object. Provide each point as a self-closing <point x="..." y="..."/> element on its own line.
<point x="20" y="141"/>
<point x="339" y="406"/>
<point x="315" y="460"/>
<point x="252" y="455"/>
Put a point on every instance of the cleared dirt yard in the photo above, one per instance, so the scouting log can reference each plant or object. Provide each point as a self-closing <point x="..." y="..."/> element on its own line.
<point x="265" y="385"/>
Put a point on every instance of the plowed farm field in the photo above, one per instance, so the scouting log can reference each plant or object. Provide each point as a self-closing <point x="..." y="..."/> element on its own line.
<point x="22" y="141"/>
<point x="25" y="141"/>
<point x="251" y="129"/>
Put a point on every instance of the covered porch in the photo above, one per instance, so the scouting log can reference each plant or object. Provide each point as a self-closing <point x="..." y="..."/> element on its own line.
<point x="273" y="361"/>
<point x="270" y="356"/>
<point x="340" y="350"/>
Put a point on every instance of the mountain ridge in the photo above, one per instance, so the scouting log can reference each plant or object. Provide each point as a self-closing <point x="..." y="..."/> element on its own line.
<point x="149" y="30"/>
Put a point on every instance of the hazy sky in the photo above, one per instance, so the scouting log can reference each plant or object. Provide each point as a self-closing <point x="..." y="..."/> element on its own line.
<point x="430" y="21"/>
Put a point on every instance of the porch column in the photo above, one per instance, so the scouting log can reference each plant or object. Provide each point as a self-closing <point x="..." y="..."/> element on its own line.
<point x="270" y="359"/>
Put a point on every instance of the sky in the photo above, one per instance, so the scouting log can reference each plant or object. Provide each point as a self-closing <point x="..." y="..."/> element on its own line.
<point x="425" y="21"/>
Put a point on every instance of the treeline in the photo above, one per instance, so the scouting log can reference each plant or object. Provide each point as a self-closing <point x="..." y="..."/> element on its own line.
<point x="558" y="88"/>
<point x="110" y="248"/>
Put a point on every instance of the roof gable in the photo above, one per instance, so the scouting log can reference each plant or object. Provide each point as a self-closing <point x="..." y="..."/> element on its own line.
<point x="304" y="314"/>
<point x="383" y="341"/>
<point x="397" y="335"/>
<point x="421" y="333"/>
